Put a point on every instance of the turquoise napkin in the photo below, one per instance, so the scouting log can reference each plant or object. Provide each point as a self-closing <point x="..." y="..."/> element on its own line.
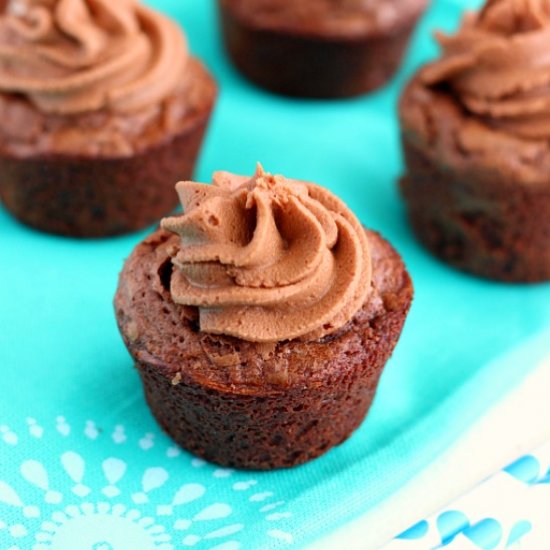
<point x="82" y="463"/>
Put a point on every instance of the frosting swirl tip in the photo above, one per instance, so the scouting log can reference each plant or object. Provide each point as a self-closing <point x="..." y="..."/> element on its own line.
<point x="74" y="56"/>
<point x="498" y="68"/>
<point x="268" y="258"/>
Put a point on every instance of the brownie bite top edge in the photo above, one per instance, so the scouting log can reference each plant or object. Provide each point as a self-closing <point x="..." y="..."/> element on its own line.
<point x="345" y="18"/>
<point x="484" y="104"/>
<point x="174" y="277"/>
<point x="162" y="333"/>
<point x="108" y="82"/>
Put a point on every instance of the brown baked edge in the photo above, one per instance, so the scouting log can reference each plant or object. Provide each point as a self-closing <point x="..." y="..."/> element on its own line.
<point x="274" y="425"/>
<point x="80" y="196"/>
<point x="313" y="66"/>
<point x="476" y="218"/>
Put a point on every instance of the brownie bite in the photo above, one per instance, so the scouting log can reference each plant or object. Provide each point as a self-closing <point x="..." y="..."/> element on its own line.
<point x="261" y="319"/>
<point x="100" y="109"/>
<point x="318" y="48"/>
<point x="476" y="137"/>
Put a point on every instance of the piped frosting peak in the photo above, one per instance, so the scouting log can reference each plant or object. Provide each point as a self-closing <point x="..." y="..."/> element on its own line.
<point x="267" y="259"/>
<point x="498" y="66"/>
<point x="72" y="56"/>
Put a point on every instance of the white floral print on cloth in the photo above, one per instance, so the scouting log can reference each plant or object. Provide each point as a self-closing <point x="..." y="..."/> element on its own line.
<point x="81" y="486"/>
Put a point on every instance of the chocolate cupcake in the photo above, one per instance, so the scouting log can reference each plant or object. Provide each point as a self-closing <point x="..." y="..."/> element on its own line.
<point x="476" y="135"/>
<point x="261" y="319"/>
<point x="318" y="48"/>
<point x="101" y="106"/>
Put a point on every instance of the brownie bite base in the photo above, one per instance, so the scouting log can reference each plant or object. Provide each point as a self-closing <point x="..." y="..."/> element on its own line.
<point x="311" y="63"/>
<point x="91" y="190"/>
<point x="249" y="405"/>
<point x="477" y="199"/>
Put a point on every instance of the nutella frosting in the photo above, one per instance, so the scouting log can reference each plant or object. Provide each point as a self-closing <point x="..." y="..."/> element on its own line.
<point x="268" y="259"/>
<point x="498" y="66"/>
<point x="73" y="56"/>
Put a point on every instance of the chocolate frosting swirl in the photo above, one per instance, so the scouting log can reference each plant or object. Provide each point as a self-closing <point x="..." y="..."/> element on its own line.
<point x="72" y="56"/>
<point x="268" y="259"/>
<point x="498" y="66"/>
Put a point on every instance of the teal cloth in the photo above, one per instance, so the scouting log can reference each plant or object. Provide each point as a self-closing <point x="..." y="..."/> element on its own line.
<point x="77" y="442"/>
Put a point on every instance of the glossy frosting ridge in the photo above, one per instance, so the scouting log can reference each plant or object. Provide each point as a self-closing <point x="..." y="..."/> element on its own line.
<point x="73" y="56"/>
<point x="498" y="66"/>
<point x="268" y="259"/>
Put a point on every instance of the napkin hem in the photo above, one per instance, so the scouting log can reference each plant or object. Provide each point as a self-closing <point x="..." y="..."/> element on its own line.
<point x="514" y="420"/>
